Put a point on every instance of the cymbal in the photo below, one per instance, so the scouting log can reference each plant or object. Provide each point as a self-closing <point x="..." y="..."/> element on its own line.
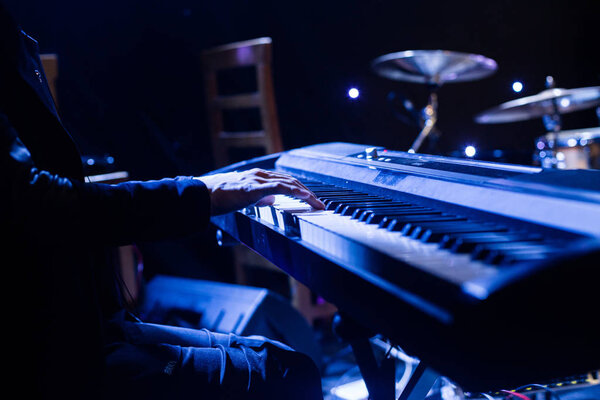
<point x="536" y="106"/>
<point x="433" y="66"/>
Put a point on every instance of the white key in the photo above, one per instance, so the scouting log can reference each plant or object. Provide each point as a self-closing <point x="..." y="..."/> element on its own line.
<point x="337" y="235"/>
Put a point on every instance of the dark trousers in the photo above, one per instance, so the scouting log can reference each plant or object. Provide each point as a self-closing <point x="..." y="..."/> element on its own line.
<point x="163" y="362"/>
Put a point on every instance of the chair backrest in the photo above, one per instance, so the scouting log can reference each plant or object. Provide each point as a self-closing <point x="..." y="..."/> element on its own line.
<point x="257" y="54"/>
<point x="50" y="65"/>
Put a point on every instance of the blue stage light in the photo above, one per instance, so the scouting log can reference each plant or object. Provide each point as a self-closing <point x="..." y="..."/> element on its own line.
<point x="353" y="93"/>
<point x="517" y="86"/>
<point x="470" y="151"/>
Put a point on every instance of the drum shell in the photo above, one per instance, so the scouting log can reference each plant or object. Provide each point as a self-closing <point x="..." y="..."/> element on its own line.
<point x="575" y="149"/>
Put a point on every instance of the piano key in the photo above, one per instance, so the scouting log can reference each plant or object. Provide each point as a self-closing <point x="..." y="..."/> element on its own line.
<point x="377" y="215"/>
<point x="397" y="223"/>
<point x="347" y="208"/>
<point x="435" y="234"/>
<point x="483" y="251"/>
<point x="332" y="204"/>
<point x="358" y="211"/>
<point x="331" y="232"/>
<point x="416" y="229"/>
<point x="466" y="244"/>
<point x="513" y="256"/>
<point x="335" y="234"/>
<point x="450" y="240"/>
<point x="352" y="208"/>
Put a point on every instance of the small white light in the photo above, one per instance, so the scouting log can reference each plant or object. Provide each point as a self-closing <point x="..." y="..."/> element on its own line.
<point x="560" y="156"/>
<point x="353" y="93"/>
<point x="565" y="102"/>
<point x="572" y="142"/>
<point x="540" y="145"/>
<point x="355" y="390"/>
<point x="517" y="86"/>
<point x="470" y="151"/>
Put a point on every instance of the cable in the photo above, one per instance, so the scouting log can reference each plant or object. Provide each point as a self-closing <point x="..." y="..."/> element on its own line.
<point x="515" y="394"/>
<point x="536" y="385"/>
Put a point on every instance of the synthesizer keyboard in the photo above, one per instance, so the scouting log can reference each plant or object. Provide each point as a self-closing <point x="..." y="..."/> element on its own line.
<point x="489" y="273"/>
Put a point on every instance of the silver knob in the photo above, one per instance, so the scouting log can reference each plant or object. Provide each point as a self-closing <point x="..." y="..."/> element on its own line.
<point x="371" y="152"/>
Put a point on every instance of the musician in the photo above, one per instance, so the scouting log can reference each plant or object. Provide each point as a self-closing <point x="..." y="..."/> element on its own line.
<point x="68" y="334"/>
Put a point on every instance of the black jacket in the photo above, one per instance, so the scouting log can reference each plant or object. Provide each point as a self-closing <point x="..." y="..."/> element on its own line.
<point x="60" y="284"/>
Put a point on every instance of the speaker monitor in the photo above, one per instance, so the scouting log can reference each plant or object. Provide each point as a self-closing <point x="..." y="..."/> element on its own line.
<point x="227" y="308"/>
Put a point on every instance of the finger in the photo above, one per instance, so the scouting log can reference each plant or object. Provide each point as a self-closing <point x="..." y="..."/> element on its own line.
<point x="294" y="191"/>
<point x="266" y="201"/>
<point x="314" y="202"/>
<point x="281" y="179"/>
<point x="287" y="178"/>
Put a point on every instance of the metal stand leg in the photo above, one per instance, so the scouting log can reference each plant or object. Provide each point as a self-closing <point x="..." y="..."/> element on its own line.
<point x="380" y="378"/>
<point x="419" y="384"/>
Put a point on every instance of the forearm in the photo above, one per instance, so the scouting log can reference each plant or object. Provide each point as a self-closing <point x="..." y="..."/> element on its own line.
<point x="45" y="207"/>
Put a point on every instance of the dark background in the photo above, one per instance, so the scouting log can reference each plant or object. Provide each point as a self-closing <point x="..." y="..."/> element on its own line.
<point x="130" y="82"/>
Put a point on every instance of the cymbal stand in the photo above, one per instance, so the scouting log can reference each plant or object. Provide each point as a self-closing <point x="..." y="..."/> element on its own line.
<point x="553" y="124"/>
<point x="429" y="118"/>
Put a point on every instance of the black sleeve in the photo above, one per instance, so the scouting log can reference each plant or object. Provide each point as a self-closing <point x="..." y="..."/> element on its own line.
<point x="46" y="207"/>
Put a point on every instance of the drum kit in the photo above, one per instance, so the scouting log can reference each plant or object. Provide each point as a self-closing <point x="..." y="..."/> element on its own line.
<point x="566" y="149"/>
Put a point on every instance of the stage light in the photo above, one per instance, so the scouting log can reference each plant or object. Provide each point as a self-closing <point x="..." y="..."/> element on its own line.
<point x="353" y="93"/>
<point x="470" y="151"/>
<point x="564" y="102"/>
<point x="517" y="86"/>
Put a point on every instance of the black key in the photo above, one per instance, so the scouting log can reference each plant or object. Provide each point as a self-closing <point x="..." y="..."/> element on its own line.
<point x="506" y="257"/>
<point x="354" y="196"/>
<point x="333" y="204"/>
<point x="339" y="199"/>
<point x="466" y="244"/>
<point x="398" y="223"/>
<point x="358" y="212"/>
<point x="415" y="229"/>
<point x="362" y="214"/>
<point x="409" y="217"/>
<point x="483" y="251"/>
<point x="348" y="208"/>
<point x="345" y="197"/>
<point x="435" y="234"/>
<point x="376" y="217"/>
<point x="356" y="209"/>
<point x="449" y="240"/>
<point x="334" y="193"/>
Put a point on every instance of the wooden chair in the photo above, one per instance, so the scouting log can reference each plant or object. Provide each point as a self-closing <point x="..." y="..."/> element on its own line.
<point x="256" y="53"/>
<point x="50" y="65"/>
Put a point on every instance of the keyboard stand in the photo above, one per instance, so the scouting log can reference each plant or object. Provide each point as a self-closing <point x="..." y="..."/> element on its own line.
<point x="419" y="384"/>
<point x="380" y="377"/>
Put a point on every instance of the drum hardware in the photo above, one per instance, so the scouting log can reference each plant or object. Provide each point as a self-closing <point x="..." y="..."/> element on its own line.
<point x="571" y="149"/>
<point x="550" y="105"/>
<point x="544" y="103"/>
<point x="433" y="68"/>
<point x="553" y="124"/>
